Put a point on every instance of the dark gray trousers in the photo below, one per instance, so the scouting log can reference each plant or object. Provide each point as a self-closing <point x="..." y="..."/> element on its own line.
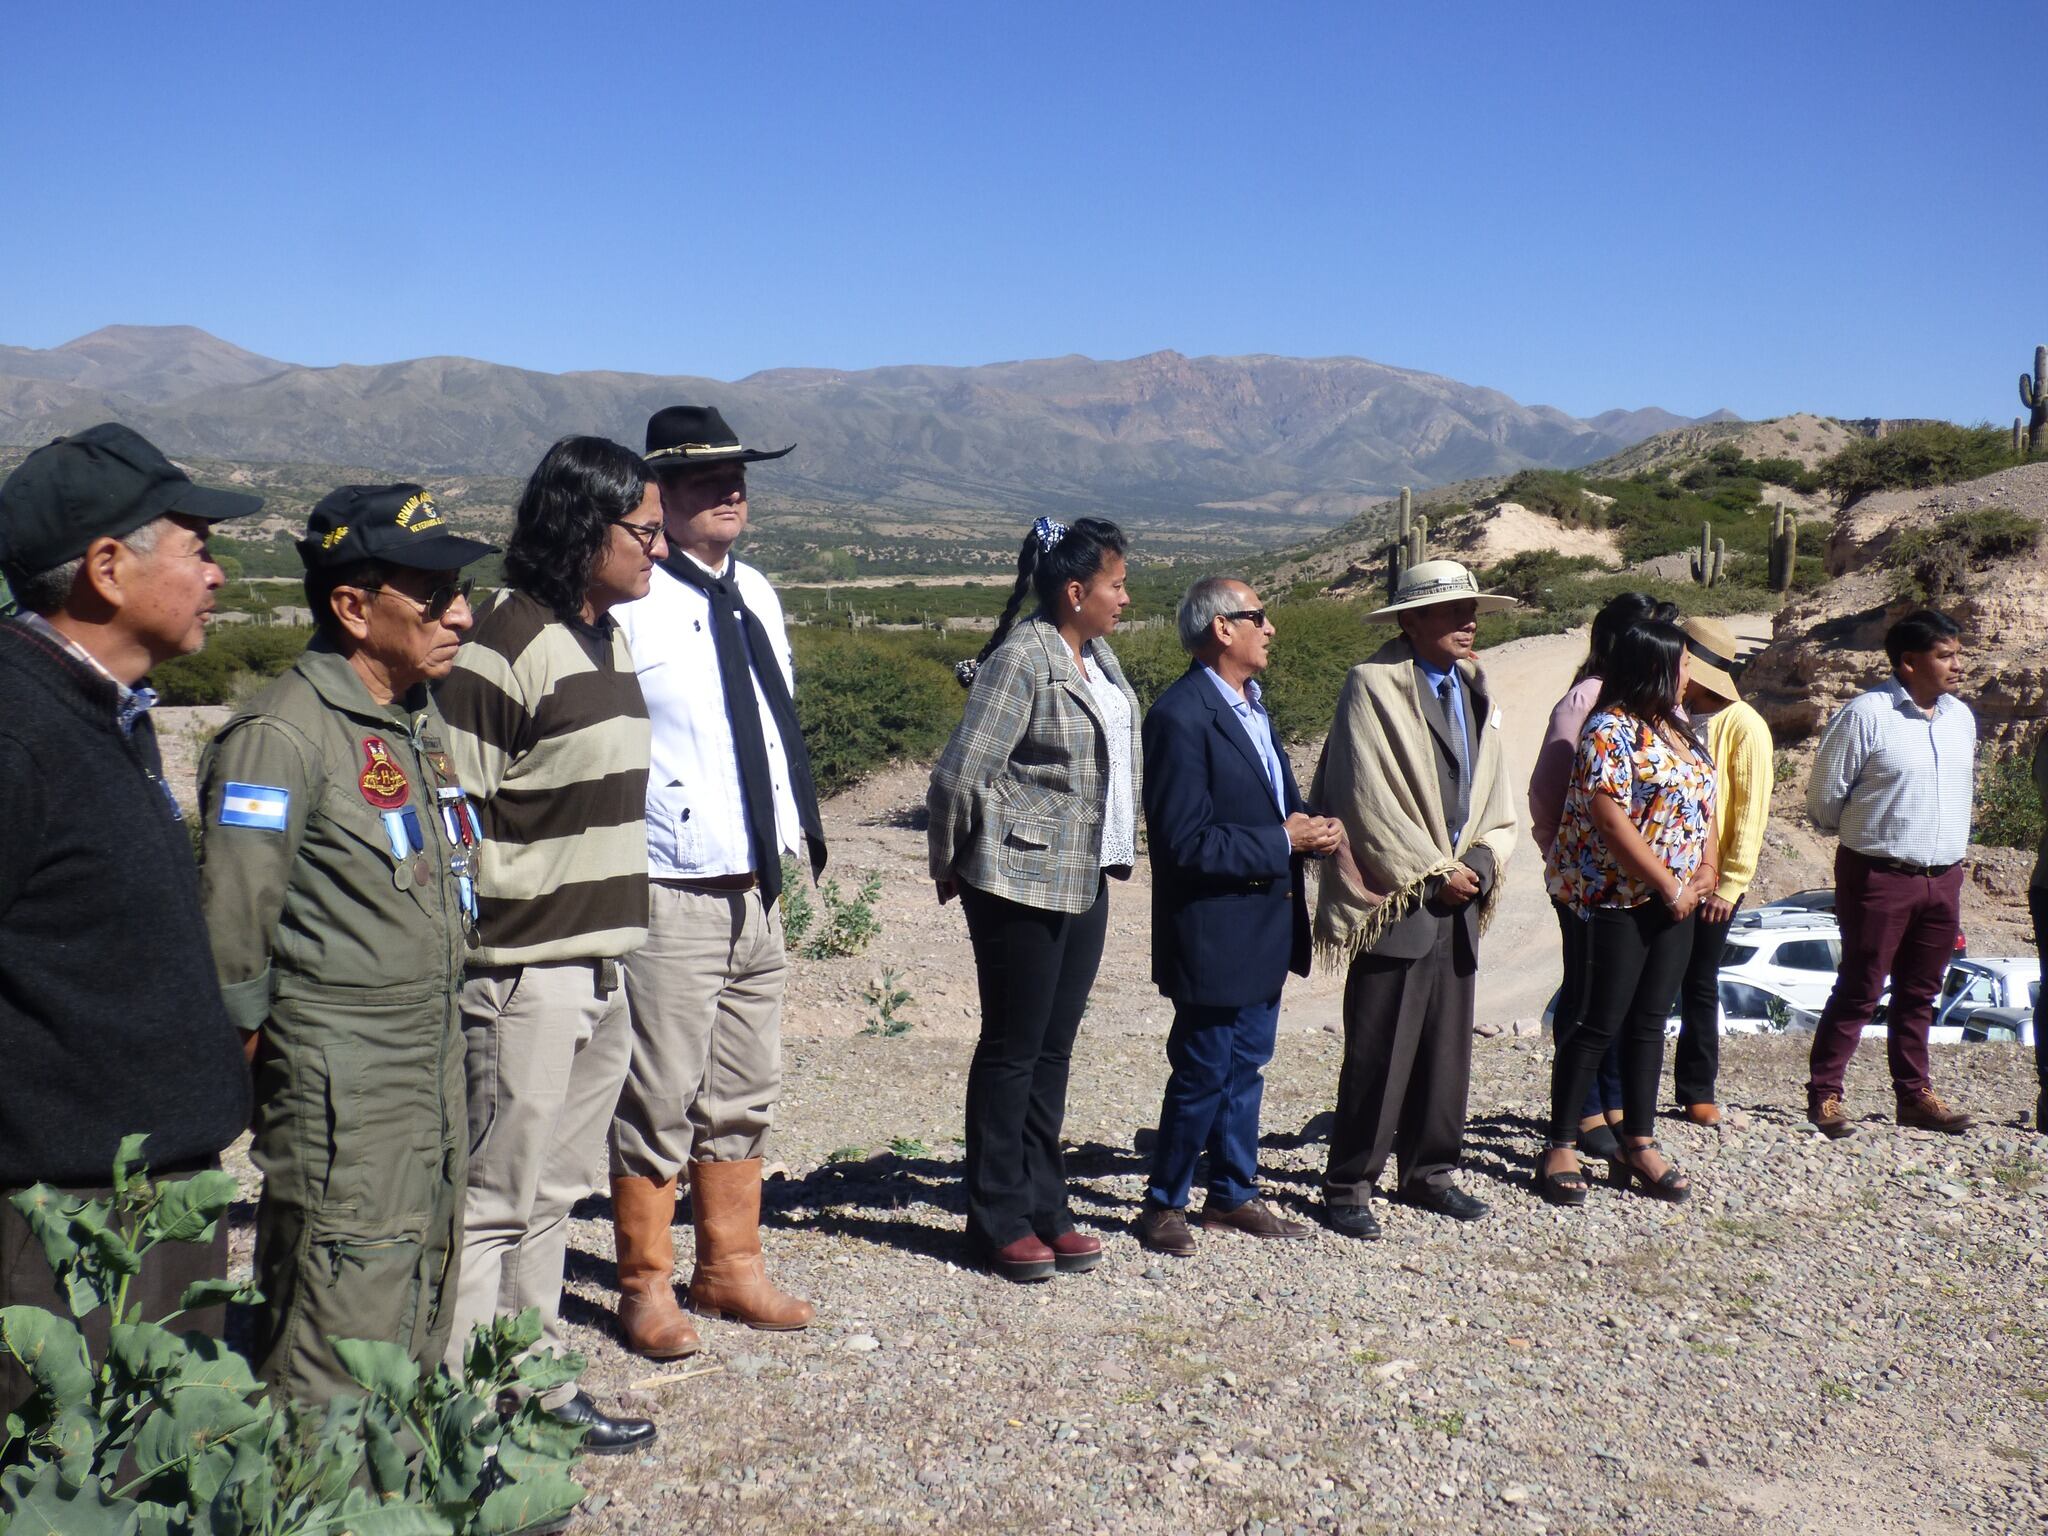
<point x="1407" y="1068"/>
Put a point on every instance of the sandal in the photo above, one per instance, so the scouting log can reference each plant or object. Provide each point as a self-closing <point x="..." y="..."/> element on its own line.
<point x="1673" y="1187"/>
<point x="1562" y="1186"/>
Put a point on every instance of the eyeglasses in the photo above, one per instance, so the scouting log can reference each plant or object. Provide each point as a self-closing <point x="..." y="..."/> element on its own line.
<point x="437" y="602"/>
<point x="644" y="534"/>
<point x="1256" y="615"/>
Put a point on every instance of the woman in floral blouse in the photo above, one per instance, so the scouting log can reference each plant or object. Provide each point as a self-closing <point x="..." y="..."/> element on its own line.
<point x="1633" y="856"/>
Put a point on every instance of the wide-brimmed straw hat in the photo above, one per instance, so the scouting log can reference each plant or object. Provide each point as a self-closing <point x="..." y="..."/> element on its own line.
<point x="1439" y="581"/>
<point x="1713" y="646"/>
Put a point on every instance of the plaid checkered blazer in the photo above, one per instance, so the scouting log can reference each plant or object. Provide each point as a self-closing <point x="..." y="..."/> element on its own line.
<point x="1016" y="799"/>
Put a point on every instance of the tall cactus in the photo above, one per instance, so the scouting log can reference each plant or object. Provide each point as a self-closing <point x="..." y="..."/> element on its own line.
<point x="2019" y="439"/>
<point x="2034" y="396"/>
<point x="1418" y="542"/>
<point x="1709" y="558"/>
<point x="1397" y="547"/>
<point x="1784" y="549"/>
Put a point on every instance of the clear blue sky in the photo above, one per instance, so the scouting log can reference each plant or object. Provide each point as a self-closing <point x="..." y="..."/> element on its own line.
<point x="1826" y="206"/>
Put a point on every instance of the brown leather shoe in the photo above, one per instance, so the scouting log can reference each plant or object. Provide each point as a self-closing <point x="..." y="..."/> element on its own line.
<point x="730" y="1279"/>
<point x="649" y="1319"/>
<point x="1029" y="1258"/>
<point x="1702" y="1114"/>
<point x="1828" y="1116"/>
<point x="1254" y="1218"/>
<point x="1164" y="1229"/>
<point x="1926" y="1112"/>
<point x="1075" y="1253"/>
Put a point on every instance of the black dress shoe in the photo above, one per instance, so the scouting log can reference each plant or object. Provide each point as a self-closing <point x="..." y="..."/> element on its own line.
<point x="1445" y="1200"/>
<point x="606" y="1435"/>
<point x="1351" y="1220"/>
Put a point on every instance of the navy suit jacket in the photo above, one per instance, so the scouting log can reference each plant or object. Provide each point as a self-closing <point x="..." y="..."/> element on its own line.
<point x="1228" y="918"/>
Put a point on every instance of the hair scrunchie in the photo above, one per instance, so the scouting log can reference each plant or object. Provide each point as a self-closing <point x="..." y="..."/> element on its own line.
<point x="1048" y="533"/>
<point x="963" y="671"/>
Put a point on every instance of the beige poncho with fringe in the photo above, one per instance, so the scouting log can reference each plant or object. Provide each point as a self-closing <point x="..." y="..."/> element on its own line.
<point x="1378" y="775"/>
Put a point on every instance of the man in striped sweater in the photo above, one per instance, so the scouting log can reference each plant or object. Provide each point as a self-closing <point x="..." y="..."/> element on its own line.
<point x="548" y="730"/>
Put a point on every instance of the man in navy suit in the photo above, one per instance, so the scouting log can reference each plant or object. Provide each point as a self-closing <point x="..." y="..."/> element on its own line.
<point x="1228" y="832"/>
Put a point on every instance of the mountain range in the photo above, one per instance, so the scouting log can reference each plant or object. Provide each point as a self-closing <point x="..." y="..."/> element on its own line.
<point x="1164" y="434"/>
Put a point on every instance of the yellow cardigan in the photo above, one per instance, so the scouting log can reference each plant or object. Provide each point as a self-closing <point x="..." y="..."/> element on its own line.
<point x="1741" y="746"/>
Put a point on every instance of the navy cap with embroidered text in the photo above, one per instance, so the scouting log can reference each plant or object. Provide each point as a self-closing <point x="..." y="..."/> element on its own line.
<point x="398" y="524"/>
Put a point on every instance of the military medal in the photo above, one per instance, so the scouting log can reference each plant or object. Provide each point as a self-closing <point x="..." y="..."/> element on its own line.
<point x="382" y="781"/>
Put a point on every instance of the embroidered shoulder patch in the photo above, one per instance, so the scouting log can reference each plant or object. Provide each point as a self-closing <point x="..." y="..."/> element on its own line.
<point x="262" y="806"/>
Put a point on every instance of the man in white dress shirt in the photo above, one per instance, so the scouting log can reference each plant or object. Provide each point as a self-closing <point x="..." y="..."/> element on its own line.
<point x="1893" y="777"/>
<point x="729" y="792"/>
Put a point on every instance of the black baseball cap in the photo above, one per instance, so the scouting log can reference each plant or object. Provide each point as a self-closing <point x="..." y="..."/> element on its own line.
<point x="102" y="483"/>
<point x="398" y="524"/>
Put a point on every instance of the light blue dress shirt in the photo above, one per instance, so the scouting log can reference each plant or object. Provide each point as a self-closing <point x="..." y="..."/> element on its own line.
<point x="1251" y="714"/>
<point x="1895" y="780"/>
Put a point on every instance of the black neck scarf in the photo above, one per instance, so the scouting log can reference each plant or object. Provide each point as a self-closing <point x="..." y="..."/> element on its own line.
<point x="745" y="656"/>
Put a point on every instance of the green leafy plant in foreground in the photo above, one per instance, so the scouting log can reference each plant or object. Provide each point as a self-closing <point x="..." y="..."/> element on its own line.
<point x="170" y="1434"/>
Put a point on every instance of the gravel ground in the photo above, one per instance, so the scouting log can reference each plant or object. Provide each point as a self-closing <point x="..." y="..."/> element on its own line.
<point x="1828" y="1335"/>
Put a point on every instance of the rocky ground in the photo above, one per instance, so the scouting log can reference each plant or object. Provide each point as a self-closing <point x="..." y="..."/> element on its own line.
<point x="1829" y="1336"/>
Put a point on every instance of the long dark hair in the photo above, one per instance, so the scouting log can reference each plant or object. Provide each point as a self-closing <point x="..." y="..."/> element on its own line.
<point x="1618" y="613"/>
<point x="580" y="488"/>
<point x="1052" y="555"/>
<point x="1642" y="677"/>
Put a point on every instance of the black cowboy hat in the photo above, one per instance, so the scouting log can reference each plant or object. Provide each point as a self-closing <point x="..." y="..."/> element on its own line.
<point x="686" y="437"/>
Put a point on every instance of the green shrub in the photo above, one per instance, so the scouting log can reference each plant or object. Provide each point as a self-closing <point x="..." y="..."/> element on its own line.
<point x="1555" y="492"/>
<point x="2008" y="810"/>
<point x="1930" y="563"/>
<point x="1912" y="458"/>
<point x="849" y="922"/>
<point x="208" y="1450"/>
<point x="867" y="699"/>
<point x="232" y="654"/>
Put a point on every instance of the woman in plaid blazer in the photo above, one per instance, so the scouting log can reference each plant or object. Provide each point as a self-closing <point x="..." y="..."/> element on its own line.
<point x="1033" y="804"/>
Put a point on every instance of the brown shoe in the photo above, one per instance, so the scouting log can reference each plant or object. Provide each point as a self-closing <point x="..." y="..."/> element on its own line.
<point x="1164" y="1229"/>
<point x="1254" y="1218"/>
<point x="649" y="1319"/>
<point x="1702" y="1114"/>
<point x="1828" y="1117"/>
<point x="730" y="1279"/>
<point x="1927" y="1113"/>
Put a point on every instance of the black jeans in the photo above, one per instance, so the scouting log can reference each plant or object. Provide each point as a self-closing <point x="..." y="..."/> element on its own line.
<point x="2037" y="903"/>
<point x="1636" y="957"/>
<point x="1696" y="1061"/>
<point x="1604" y="1092"/>
<point x="1034" y="969"/>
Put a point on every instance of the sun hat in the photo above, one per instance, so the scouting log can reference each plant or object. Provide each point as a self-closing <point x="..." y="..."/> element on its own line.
<point x="1713" y="646"/>
<point x="686" y="437"/>
<point x="1439" y="581"/>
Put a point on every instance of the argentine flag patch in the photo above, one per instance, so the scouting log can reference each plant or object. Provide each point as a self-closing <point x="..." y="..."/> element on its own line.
<point x="254" y="805"/>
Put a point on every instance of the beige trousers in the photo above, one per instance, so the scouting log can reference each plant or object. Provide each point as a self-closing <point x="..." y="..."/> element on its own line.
<point x="546" y="1048"/>
<point x="706" y="997"/>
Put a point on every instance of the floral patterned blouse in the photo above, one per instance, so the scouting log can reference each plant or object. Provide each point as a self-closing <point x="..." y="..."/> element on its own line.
<point x="1668" y="794"/>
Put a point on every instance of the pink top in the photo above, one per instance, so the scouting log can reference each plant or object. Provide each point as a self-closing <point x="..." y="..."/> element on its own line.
<point x="1555" y="758"/>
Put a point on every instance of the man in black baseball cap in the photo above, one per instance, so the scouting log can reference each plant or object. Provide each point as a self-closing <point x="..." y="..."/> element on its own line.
<point x="338" y="876"/>
<point x="111" y="1021"/>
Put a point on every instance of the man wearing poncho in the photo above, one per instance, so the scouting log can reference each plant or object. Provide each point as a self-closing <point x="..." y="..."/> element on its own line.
<point x="1415" y="768"/>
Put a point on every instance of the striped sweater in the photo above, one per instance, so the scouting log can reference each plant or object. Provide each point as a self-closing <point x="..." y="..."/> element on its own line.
<point x="548" y="731"/>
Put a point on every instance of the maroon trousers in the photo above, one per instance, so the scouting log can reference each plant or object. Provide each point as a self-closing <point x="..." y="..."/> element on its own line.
<point x="1897" y="925"/>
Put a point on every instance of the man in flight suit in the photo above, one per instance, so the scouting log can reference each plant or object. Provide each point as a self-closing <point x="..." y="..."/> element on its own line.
<point x="335" y="871"/>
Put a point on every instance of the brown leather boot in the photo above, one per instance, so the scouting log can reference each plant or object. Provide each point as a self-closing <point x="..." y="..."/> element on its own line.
<point x="730" y="1279"/>
<point x="650" y="1320"/>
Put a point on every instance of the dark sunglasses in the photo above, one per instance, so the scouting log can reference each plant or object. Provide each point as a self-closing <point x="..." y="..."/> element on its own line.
<point x="644" y="534"/>
<point x="1256" y="615"/>
<point x="438" y="601"/>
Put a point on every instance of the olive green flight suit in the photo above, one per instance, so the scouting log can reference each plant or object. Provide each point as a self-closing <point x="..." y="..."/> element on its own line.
<point x="349" y="959"/>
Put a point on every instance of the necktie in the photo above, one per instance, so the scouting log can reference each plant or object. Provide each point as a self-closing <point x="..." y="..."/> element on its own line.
<point x="1446" y="696"/>
<point x="744" y="656"/>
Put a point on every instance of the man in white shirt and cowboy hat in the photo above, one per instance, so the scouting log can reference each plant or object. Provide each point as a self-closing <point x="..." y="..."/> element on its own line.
<point x="729" y="792"/>
<point x="1415" y="769"/>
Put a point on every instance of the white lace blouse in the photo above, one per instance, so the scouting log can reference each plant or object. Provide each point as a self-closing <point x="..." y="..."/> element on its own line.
<point x="1119" y="814"/>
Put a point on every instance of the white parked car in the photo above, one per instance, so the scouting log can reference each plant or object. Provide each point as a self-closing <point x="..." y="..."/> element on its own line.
<point x="1787" y="951"/>
<point x="1975" y="988"/>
